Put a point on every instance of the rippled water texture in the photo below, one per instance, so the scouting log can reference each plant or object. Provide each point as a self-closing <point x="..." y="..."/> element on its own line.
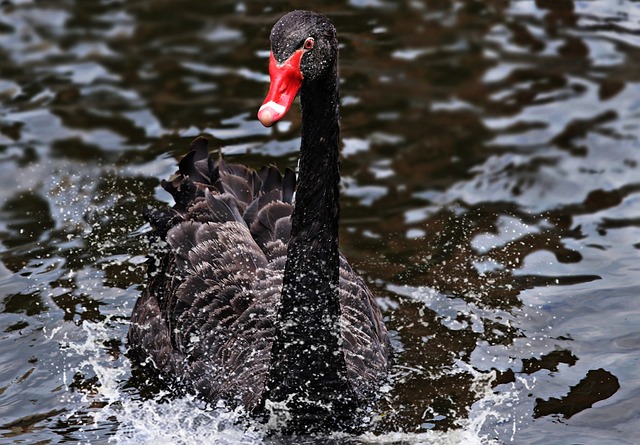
<point x="491" y="196"/>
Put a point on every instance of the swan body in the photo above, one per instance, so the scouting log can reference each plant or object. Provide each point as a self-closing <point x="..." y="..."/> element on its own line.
<point x="249" y="300"/>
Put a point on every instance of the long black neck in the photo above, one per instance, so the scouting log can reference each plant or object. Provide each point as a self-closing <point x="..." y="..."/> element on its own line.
<point x="307" y="362"/>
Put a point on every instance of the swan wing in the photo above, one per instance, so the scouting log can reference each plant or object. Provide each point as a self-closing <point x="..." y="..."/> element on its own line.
<point x="207" y="314"/>
<point x="365" y="340"/>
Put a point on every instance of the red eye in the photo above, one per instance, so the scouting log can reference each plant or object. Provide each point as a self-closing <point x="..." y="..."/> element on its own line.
<point x="308" y="44"/>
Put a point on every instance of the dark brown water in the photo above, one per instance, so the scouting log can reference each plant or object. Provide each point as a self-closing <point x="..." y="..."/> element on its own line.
<point x="491" y="198"/>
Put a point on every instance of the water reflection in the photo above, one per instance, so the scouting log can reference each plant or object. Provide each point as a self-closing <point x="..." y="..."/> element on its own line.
<point x="580" y="397"/>
<point x="490" y="195"/>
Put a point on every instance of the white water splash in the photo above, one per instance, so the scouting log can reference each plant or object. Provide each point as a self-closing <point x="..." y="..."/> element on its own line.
<point x="180" y="421"/>
<point x="124" y="419"/>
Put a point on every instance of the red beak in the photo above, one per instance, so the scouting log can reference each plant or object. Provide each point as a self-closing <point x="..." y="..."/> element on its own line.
<point x="286" y="80"/>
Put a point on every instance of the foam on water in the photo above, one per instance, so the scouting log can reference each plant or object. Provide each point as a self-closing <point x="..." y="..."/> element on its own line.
<point x="181" y="421"/>
<point x="123" y="418"/>
<point x="172" y="421"/>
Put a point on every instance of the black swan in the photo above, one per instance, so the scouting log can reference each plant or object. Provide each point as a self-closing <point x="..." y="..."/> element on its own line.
<point x="249" y="300"/>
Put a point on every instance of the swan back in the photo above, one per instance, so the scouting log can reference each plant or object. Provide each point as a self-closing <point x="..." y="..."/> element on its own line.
<point x="249" y="300"/>
<point x="206" y="318"/>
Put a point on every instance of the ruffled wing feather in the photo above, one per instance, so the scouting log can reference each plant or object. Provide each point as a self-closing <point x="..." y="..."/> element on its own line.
<point x="207" y="316"/>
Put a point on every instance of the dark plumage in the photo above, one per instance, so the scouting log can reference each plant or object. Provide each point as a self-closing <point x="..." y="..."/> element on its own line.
<point x="248" y="299"/>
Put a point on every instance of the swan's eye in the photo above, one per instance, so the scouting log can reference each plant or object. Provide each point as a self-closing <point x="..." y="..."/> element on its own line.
<point x="308" y="44"/>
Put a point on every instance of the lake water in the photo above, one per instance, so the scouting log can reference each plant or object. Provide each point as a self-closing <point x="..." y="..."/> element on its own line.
<point x="491" y="198"/>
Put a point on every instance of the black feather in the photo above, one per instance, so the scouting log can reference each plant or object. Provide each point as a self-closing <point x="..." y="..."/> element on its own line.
<point x="248" y="299"/>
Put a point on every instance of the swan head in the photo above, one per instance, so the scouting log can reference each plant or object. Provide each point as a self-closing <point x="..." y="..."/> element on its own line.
<point x="304" y="48"/>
